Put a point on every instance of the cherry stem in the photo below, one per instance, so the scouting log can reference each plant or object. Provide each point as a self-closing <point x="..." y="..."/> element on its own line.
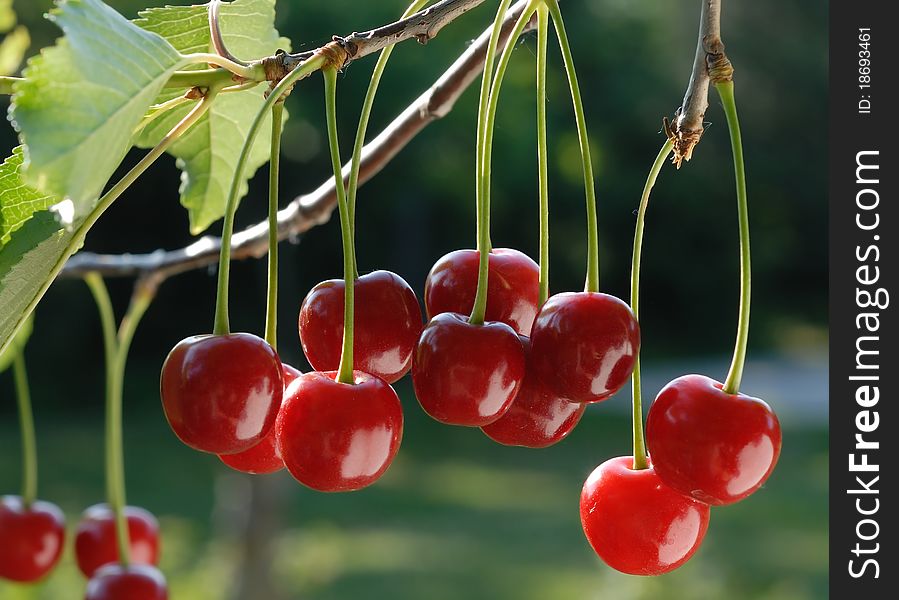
<point x="542" y="148"/>
<point x="479" y="308"/>
<point x="26" y="424"/>
<point x="640" y="461"/>
<point x="592" y="284"/>
<point x="367" y="104"/>
<point x="345" y="371"/>
<point x="222" y="323"/>
<point x="271" y="312"/>
<point x="735" y="374"/>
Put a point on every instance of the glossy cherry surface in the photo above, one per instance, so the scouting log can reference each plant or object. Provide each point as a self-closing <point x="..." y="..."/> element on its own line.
<point x="387" y="325"/>
<point x="134" y="582"/>
<point x="338" y="437"/>
<point x="714" y="446"/>
<point x="467" y="374"/>
<point x="31" y="540"/>
<point x="264" y="457"/>
<point x="584" y="345"/>
<point x="636" y="523"/>
<point x="513" y="287"/>
<point x="96" y="543"/>
<point x="538" y="418"/>
<point x="221" y="394"/>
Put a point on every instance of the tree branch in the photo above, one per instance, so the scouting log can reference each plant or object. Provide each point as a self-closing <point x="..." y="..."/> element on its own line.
<point x="315" y="208"/>
<point x="710" y="66"/>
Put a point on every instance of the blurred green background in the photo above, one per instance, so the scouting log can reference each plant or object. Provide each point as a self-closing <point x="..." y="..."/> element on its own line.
<point x="457" y="515"/>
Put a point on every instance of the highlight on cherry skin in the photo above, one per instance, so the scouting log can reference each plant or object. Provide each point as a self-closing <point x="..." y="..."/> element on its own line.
<point x="338" y="437"/>
<point x="714" y="446"/>
<point x="636" y="523"/>
<point x="538" y="418"/>
<point x="584" y="345"/>
<point x="221" y="394"/>
<point x="31" y="539"/>
<point x="134" y="582"/>
<point x="386" y="325"/>
<point x="513" y="287"/>
<point x="264" y="457"/>
<point x="466" y="374"/>
<point x="96" y="544"/>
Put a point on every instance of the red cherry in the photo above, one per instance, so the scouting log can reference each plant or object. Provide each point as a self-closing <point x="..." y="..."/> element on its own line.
<point x="336" y="437"/>
<point x="467" y="374"/>
<point x="636" y="523"/>
<point x="134" y="582"/>
<point x="716" y="447"/>
<point x="264" y="457"/>
<point x="387" y="325"/>
<point x="221" y="393"/>
<point x="584" y="345"/>
<point x="513" y="288"/>
<point x="537" y="418"/>
<point x="96" y="543"/>
<point x="31" y="539"/>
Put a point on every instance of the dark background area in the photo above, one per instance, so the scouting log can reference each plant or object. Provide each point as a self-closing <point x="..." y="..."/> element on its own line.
<point x="633" y="62"/>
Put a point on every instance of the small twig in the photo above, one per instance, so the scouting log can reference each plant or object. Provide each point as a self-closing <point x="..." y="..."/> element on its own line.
<point x="215" y="32"/>
<point x="315" y="208"/>
<point x="710" y="66"/>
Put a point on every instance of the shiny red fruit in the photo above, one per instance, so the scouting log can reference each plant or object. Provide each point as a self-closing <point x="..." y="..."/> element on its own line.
<point x="714" y="446"/>
<point x="337" y="437"/>
<point x="467" y="374"/>
<point x="31" y="539"/>
<point x="636" y="523"/>
<point x="513" y="287"/>
<point x="387" y="325"/>
<point x="134" y="582"/>
<point x="584" y="345"/>
<point x="538" y="417"/>
<point x="221" y="393"/>
<point x="264" y="457"/>
<point x="96" y="543"/>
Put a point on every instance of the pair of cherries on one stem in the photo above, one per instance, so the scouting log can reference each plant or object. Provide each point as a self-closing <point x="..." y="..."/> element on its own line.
<point x="707" y="447"/>
<point x="527" y="391"/>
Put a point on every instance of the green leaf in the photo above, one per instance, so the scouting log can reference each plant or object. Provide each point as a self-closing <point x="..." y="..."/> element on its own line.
<point x="18" y="202"/>
<point x="17" y="344"/>
<point x="208" y="153"/>
<point x="13" y="49"/>
<point x="28" y="263"/>
<point x="80" y="101"/>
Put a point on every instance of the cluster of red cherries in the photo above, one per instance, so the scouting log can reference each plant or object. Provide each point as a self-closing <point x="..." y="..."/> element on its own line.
<point x="34" y="538"/>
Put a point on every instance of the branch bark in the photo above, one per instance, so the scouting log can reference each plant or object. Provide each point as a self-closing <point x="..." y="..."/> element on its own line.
<point x="709" y="66"/>
<point x="315" y="208"/>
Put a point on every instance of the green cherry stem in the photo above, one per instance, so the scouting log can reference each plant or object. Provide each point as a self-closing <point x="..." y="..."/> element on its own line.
<point x="26" y="424"/>
<point x="479" y="309"/>
<point x="345" y="371"/>
<point x="364" y="117"/>
<point x="271" y="312"/>
<point x="592" y="284"/>
<point x="222" y="324"/>
<point x="735" y="374"/>
<point x="542" y="148"/>
<point x="640" y="461"/>
<point x="115" y="474"/>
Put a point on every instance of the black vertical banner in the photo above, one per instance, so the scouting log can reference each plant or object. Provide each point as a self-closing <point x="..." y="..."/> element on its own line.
<point x="864" y="270"/>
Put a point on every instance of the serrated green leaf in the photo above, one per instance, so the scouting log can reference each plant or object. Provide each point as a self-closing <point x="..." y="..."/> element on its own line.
<point x="27" y="264"/>
<point x="18" y="202"/>
<point x="17" y="344"/>
<point x="208" y="153"/>
<point x="81" y="99"/>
